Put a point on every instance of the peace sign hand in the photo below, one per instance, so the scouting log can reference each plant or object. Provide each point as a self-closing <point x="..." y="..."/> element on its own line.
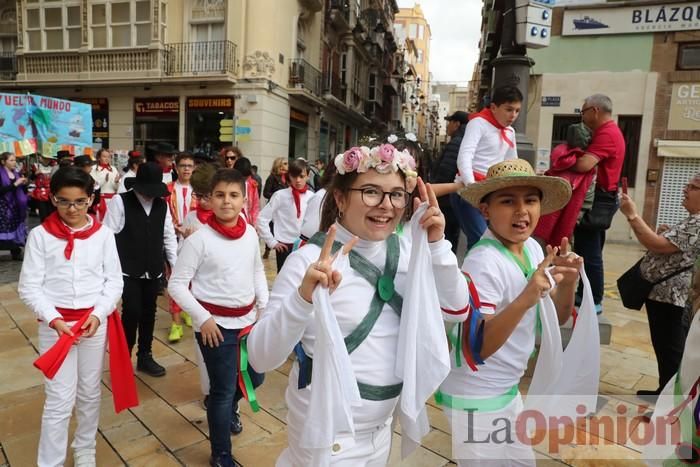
<point x="433" y="220"/>
<point x="539" y="285"/>
<point x="322" y="272"/>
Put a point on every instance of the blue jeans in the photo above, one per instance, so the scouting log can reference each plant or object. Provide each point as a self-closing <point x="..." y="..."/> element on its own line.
<point x="470" y="219"/>
<point x="589" y="243"/>
<point x="222" y="366"/>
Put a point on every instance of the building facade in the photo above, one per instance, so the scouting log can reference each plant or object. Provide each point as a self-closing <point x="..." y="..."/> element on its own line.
<point x="293" y="78"/>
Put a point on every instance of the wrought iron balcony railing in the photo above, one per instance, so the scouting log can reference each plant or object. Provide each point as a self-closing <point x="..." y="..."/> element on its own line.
<point x="333" y="86"/>
<point x="8" y="66"/>
<point x="303" y="75"/>
<point x="200" y="57"/>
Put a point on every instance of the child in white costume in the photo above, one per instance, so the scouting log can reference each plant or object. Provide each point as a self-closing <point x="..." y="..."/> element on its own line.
<point x="507" y="267"/>
<point x="365" y="202"/>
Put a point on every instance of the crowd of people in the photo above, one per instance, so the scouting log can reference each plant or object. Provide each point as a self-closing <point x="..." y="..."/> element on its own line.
<point x="367" y="283"/>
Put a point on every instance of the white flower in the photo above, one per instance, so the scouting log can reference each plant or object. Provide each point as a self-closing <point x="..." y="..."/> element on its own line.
<point x="411" y="137"/>
<point x="340" y="167"/>
<point x="392" y="139"/>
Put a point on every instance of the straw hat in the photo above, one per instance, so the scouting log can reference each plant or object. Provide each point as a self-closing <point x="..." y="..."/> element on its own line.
<point x="556" y="191"/>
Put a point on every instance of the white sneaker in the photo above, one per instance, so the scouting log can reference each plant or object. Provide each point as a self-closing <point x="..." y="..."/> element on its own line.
<point x="84" y="458"/>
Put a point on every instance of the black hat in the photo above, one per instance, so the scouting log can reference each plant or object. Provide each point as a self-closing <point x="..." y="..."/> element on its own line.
<point x="148" y="181"/>
<point x="459" y="116"/>
<point x="163" y="148"/>
<point x="62" y="154"/>
<point x="83" y="161"/>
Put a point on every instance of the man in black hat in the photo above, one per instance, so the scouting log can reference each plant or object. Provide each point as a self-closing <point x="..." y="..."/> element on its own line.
<point x="164" y="154"/>
<point x="64" y="158"/>
<point x="446" y="169"/>
<point x="143" y="229"/>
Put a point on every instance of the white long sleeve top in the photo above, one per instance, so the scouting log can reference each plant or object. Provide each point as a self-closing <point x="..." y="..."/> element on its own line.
<point x="288" y="319"/>
<point x="91" y="277"/>
<point x="122" y="187"/>
<point x="116" y="217"/>
<point x="108" y="179"/>
<point x="312" y="218"/>
<point x="482" y="147"/>
<point x="221" y="271"/>
<point x="283" y="212"/>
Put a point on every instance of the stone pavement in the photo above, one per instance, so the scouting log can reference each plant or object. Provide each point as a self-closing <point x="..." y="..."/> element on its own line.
<point x="169" y="427"/>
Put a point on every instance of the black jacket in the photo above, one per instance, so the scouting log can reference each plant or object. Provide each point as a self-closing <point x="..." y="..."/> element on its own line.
<point x="445" y="170"/>
<point x="272" y="184"/>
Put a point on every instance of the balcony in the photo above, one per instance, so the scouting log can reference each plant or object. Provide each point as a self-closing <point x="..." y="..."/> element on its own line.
<point x="333" y="87"/>
<point x="208" y="60"/>
<point x="304" y="80"/>
<point x="8" y="66"/>
<point x="339" y="15"/>
<point x="197" y="58"/>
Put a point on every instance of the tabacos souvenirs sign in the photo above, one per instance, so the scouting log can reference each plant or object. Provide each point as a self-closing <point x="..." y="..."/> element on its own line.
<point x="684" y="112"/>
<point x="681" y="16"/>
<point x="30" y="123"/>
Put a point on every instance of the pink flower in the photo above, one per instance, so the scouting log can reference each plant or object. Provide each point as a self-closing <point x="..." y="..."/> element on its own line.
<point x="351" y="159"/>
<point x="386" y="152"/>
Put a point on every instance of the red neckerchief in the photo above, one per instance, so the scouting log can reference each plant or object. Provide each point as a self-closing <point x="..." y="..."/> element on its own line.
<point x="297" y="198"/>
<point x="167" y="170"/>
<point x="105" y="167"/>
<point x="232" y="233"/>
<point x="58" y="229"/>
<point x="203" y="215"/>
<point x="487" y="114"/>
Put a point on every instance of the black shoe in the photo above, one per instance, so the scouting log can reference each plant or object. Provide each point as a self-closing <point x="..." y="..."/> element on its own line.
<point x="223" y="460"/>
<point x="236" y="424"/>
<point x="146" y="364"/>
<point x="648" y="395"/>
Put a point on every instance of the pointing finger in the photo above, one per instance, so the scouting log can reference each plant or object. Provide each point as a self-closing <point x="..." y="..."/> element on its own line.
<point x="422" y="191"/>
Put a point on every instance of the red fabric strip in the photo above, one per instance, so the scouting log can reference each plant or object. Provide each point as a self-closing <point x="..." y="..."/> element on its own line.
<point x="232" y="233"/>
<point x="53" y="225"/>
<point x="297" y="198"/>
<point x="456" y="312"/>
<point x="225" y="311"/>
<point x="487" y="114"/>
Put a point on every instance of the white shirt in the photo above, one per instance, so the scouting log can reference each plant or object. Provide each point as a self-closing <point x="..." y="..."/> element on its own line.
<point x="181" y="202"/>
<point x="116" y="217"/>
<point x="288" y="319"/>
<point x="91" y="277"/>
<point x="482" y="147"/>
<point x="106" y="178"/>
<point x="129" y="174"/>
<point x="221" y="271"/>
<point x="499" y="281"/>
<point x="283" y="212"/>
<point x="167" y="177"/>
<point x="312" y="218"/>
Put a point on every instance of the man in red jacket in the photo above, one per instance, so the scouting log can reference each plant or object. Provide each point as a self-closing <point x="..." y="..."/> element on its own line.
<point x="607" y="153"/>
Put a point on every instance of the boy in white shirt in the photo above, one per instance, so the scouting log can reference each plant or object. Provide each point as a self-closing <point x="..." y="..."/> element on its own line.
<point x="222" y="263"/>
<point x="71" y="279"/>
<point x="507" y="267"/>
<point x="286" y="209"/>
<point x="488" y="139"/>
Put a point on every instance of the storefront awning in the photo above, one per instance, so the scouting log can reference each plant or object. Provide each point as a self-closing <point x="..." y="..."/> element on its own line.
<point x="677" y="148"/>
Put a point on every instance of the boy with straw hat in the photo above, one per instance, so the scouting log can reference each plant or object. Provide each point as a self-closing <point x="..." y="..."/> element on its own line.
<point x="512" y="276"/>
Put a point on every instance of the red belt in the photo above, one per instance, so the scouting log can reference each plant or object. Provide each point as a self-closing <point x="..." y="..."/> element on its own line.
<point x="124" y="392"/>
<point x="228" y="312"/>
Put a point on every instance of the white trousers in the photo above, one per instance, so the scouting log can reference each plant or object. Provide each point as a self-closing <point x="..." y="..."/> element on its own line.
<point x="78" y="380"/>
<point x="365" y="449"/>
<point x="470" y="431"/>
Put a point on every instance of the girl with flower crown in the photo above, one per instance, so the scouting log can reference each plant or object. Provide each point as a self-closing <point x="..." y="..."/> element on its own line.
<point x="360" y="307"/>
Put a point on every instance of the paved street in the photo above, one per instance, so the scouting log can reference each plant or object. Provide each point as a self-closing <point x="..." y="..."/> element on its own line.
<point x="169" y="427"/>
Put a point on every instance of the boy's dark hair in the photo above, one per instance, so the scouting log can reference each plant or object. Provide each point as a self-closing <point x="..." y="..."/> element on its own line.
<point x="72" y="177"/>
<point x="505" y="94"/>
<point x="298" y="167"/>
<point x="243" y="166"/>
<point x="184" y="155"/>
<point x="227" y="176"/>
<point x="254" y="168"/>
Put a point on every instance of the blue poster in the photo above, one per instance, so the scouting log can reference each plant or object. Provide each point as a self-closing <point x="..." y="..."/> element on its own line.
<point x="30" y="124"/>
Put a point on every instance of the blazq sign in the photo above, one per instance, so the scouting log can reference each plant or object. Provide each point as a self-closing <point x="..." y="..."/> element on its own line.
<point x="683" y="16"/>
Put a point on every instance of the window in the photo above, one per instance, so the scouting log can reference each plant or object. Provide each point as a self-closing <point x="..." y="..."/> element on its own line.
<point x="461" y="103"/>
<point x="372" y="95"/>
<point x="412" y="31"/>
<point x="121" y="23"/>
<point x="689" y="56"/>
<point x="343" y="67"/>
<point x="421" y="30"/>
<point x="560" y="125"/>
<point x="631" y="127"/>
<point x="52" y="25"/>
<point x="207" y="32"/>
<point x="419" y="56"/>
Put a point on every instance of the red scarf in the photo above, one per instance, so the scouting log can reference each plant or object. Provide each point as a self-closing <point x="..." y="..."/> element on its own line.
<point x="297" y="198"/>
<point x="203" y="215"/>
<point x="105" y="167"/>
<point x="234" y="232"/>
<point x="487" y="114"/>
<point x="124" y="392"/>
<point x="58" y="229"/>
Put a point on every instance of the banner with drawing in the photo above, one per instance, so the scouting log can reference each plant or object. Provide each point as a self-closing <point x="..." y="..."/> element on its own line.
<point x="30" y="124"/>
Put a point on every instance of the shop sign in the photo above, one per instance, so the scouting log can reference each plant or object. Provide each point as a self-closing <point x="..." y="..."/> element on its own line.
<point x="210" y="103"/>
<point x="551" y="101"/>
<point x="684" y="112"/>
<point x="681" y="16"/>
<point x="243" y="130"/>
<point x="299" y="116"/>
<point x="154" y="106"/>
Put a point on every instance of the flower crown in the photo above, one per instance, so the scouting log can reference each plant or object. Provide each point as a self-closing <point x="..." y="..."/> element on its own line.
<point x="384" y="159"/>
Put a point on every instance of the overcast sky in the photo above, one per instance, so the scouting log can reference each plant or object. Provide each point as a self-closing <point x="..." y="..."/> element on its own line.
<point x="455" y="27"/>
